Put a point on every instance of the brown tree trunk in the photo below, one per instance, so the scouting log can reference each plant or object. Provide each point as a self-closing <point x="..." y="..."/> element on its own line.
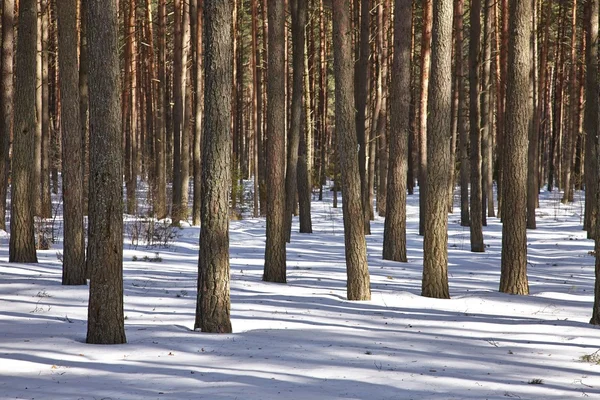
<point x="591" y="120"/>
<point x="45" y="198"/>
<point x="486" y="121"/>
<point x="160" y="197"/>
<point x="513" y="276"/>
<point x="358" y="287"/>
<point x="213" y="306"/>
<point x="22" y="240"/>
<point x="476" y="203"/>
<point x="84" y="101"/>
<point x="256" y="105"/>
<point x="105" y="233"/>
<point x="573" y="126"/>
<point x="196" y="13"/>
<point x="299" y="16"/>
<point x="435" y="243"/>
<point x="275" y="258"/>
<point x="6" y="102"/>
<point x="72" y="168"/>
<point x="383" y="13"/>
<point x="423" y="99"/>
<point x="305" y="156"/>
<point x="462" y="118"/>
<point x="394" y="234"/>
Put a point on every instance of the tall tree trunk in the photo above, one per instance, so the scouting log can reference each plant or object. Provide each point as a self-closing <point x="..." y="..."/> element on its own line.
<point x="423" y="99"/>
<point x="358" y="286"/>
<point x="84" y="101"/>
<point x="513" y="276"/>
<point x="591" y="120"/>
<point x="305" y="155"/>
<point x="486" y="121"/>
<point x="299" y="16"/>
<point x="39" y="111"/>
<point x="383" y="13"/>
<point x="361" y="95"/>
<point x="572" y="129"/>
<point x="45" y="198"/>
<point x="22" y="240"/>
<point x="160" y="197"/>
<point x="213" y="306"/>
<point x="394" y="234"/>
<point x="197" y="26"/>
<point x="6" y="102"/>
<point x="476" y="215"/>
<point x="72" y="168"/>
<point x="435" y="243"/>
<point x="105" y="234"/>
<point x="256" y="105"/>
<point x="275" y="258"/>
<point x="462" y="118"/>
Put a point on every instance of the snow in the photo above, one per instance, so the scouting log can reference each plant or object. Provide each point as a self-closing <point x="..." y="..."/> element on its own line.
<point x="303" y="340"/>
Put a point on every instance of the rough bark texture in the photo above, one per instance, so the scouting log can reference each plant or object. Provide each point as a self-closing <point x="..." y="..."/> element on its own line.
<point x="305" y="155"/>
<point x="360" y="97"/>
<point x="513" y="278"/>
<point x="383" y="13"/>
<point x="476" y="203"/>
<point x="435" y="243"/>
<point x="22" y="240"/>
<point x="275" y="262"/>
<point x="45" y="197"/>
<point x="590" y="123"/>
<point x="105" y="233"/>
<point x="6" y="102"/>
<point x="291" y="179"/>
<point x="197" y="7"/>
<point x="358" y="287"/>
<point x="213" y="307"/>
<point x="84" y="102"/>
<point x="394" y="234"/>
<point x="423" y="99"/>
<point x="486" y="121"/>
<point x="160" y="197"/>
<point x="72" y="167"/>
<point x="462" y="118"/>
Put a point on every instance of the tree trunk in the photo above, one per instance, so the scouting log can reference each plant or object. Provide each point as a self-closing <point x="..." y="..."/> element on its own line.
<point x="591" y="119"/>
<point x="358" y="287"/>
<point x="22" y="239"/>
<point x="476" y="215"/>
<point x="486" y="121"/>
<point x="105" y="233"/>
<point x="423" y="98"/>
<point x="84" y="102"/>
<point x="462" y="118"/>
<point x="72" y="168"/>
<point x="435" y="243"/>
<point x="213" y="307"/>
<point x="299" y="15"/>
<point x="198" y="6"/>
<point x="360" y="97"/>
<point x="275" y="257"/>
<point x="394" y="234"/>
<point x="513" y="277"/>
<point x="6" y="102"/>
<point x="383" y="13"/>
<point x="305" y="156"/>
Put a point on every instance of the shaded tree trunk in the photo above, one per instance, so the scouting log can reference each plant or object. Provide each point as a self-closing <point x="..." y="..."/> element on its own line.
<point x="105" y="233"/>
<point x="72" y="167"/>
<point x="423" y="99"/>
<point x="462" y="118"/>
<point x="6" y="102"/>
<point x="213" y="306"/>
<point x="394" y="234"/>
<point x="275" y="258"/>
<point x="590" y="122"/>
<point x="22" y="240"/>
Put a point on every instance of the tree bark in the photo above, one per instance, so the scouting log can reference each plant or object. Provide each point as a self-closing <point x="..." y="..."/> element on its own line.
<point x="591" y="120"/>
<point x="72" y="167"/>
<point x="6" y="102"/>
<point x="358" y="287"/>
<point x="394" y="234"/>
<point x="22" y="236"/>
<point x="465" y="219"/>
<point x="435" y="243"/>
<point x="513" y="276"/>
<point x="275" y="257"/>
<point x="105" y="233"/>
<point x="213" y="307"/>
<point x="476" y="215"/>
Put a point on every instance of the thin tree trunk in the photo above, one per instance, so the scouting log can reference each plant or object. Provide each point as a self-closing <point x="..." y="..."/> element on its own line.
<point x="6" y="102"/>
<point x="462" y="118"/>
<point x="423" y="98"/>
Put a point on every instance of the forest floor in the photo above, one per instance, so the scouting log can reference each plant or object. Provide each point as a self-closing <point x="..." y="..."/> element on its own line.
<point x="304" y="340"/>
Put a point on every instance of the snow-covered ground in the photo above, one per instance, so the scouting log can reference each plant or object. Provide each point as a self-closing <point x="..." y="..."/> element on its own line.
<point x="303" y="340"/>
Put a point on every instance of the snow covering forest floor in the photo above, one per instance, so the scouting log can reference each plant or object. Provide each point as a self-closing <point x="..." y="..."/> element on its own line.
<point x="303" y="340"/>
